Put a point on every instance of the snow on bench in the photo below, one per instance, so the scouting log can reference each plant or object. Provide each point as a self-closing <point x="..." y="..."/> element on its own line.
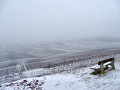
<point x="107" y="63"/>
<point x="98" y="66"/>
<point x="95" y="67"/>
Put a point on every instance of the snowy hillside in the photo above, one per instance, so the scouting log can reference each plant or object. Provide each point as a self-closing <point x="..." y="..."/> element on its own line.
<point x="79" y="79"/>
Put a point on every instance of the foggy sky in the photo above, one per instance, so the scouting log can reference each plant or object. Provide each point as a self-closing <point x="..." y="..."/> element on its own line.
<point x="44" y="20"/>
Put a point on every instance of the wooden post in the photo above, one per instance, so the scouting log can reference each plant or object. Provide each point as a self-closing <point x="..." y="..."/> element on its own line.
<point x="102" y="69"/>
<point x="112" y="64"/>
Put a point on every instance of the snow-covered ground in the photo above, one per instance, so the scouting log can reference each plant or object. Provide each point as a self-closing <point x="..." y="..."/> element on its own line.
<point x="79" y="79"/>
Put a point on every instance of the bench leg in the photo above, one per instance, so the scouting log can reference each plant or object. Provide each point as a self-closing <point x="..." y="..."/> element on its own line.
<point x="102" y="69"/>
<point x="96" y="72"/>
<point x="112" y="64"/>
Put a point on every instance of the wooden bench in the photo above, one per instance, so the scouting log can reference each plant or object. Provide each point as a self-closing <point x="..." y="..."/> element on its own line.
<point x="103" y="65"/>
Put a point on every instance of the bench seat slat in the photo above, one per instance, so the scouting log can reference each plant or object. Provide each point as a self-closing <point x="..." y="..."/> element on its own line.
<point x="95" y="67"/>
<point x="107" y="63"/>
<point x="98" y="66"/>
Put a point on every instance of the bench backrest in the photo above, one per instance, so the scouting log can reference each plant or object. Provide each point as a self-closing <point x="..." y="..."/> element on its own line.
<point x="106" y="60"/>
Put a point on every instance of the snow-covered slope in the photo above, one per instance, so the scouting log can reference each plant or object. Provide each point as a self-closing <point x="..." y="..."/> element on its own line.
<point x="79" y="79"/>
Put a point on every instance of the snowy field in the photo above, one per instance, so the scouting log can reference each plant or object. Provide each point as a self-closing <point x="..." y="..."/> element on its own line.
<point x="30" y="56"/>
<point x="78" y="79"/>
